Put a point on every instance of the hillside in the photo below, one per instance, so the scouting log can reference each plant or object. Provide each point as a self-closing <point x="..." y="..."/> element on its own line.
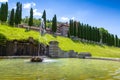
<point x="12" y="33"/>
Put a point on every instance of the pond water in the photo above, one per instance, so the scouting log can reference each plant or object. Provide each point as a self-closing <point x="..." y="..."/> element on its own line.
<point x="59" y="69"/>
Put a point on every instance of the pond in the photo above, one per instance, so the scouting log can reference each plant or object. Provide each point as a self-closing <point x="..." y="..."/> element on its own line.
<point x="59" y="69"/>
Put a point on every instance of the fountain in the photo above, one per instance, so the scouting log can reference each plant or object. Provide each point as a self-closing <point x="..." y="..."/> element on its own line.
<point x="42" y="31"/>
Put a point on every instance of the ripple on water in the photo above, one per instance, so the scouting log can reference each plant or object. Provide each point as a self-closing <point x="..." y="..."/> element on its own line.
<point x="45" y="60"/>
<point x="89" y="79"/>
<point x="116" y="77"/>
<point x="116" y="72"/>
<point x="49" y="60"/>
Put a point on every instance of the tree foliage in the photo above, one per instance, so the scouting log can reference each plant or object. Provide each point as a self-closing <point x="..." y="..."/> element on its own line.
<point x="18" y="13"/>
<point x="31" y="18"/>
<point x="44" y="18"/>
<point x="54" y="24"/>
<point x="4" y="12"/>
<point x="11" y="18"/>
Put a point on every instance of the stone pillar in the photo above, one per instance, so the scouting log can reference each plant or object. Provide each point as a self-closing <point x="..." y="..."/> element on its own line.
<point x="53" y="49"/>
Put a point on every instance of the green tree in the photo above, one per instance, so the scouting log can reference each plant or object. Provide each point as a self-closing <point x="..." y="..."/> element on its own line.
<point x="78" y="33"/>
<point x="30" y="23"/>
<point x="54" y="24"/>
<point x="4" y="12"/>
<point x="71" y="31"/>
<point x="44" y="18"/>
<point x="18" y="14"/>
<point x="116" y="41"/>
<point x="75" y="28"/>
<point x="11" y="18"/>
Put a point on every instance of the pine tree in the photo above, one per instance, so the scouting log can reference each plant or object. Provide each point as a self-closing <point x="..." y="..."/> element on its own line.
<point x="11" y="18"/>
<point x="30" y="23"/>
<point x="44" y="18"/>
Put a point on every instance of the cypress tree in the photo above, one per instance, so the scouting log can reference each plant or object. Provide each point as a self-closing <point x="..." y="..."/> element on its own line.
<point x="0" y="13"/>
<point x="4" y="12"/>
<point x="11" y="18"/>
<point x="18" y="14"/>
<point x="71" y="27"/>
<point x="44" y="18"/>
<point x="116" y="41"/>
<point x="90" y="33"/>
<point x="30" y="23"/>
<point x="119" y="42"/>
<point x="75" y="32"/>
<point x="82" y="31"/>
<point x="54" y="24"/>
<point x="78" y="27"/>
<point x="87" y="32"/>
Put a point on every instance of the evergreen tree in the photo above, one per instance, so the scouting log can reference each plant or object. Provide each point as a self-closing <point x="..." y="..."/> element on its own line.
<point x="44" y="18"/>
<point x="54" y="24"/>
<point x="82" y="31"/>
<point x="116" y="41"/>
<point x="11" y="18"/>
<point x="0" y="13"/>
<point x="119" y="42"/>
<point x="78" y="28"/>
<point x="18" y="14"/>
<point x="4" y="12"/>
<point x="30" y="23"/>
<point x="71" y="27"/>
<point x="75" y="27"/>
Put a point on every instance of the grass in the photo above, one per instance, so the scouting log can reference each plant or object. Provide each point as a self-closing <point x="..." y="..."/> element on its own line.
<point x="66" y="44"/>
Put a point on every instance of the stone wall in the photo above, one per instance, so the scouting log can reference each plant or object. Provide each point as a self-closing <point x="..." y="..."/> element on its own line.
<point x="56" y="52"/>
<point x="53" y="49"/>
<point x="22" y="48"/>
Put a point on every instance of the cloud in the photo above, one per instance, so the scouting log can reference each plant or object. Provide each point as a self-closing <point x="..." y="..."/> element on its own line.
<point x="73" y="18"/>
<point x="64" y="19"/>
<point x="28" y="5"/>
<point x="36" y="13"/>
<point x="14" y="7"/>
<point x="3" y="0"/>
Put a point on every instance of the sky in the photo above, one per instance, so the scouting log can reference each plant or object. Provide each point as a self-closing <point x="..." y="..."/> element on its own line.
<point x="97" y="13"/>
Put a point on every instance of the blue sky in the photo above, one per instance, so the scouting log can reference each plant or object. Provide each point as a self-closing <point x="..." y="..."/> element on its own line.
<point x="100" y="13"/>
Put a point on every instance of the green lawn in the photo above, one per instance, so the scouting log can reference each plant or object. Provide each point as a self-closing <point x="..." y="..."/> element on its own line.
<point x="66" y="44"/>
